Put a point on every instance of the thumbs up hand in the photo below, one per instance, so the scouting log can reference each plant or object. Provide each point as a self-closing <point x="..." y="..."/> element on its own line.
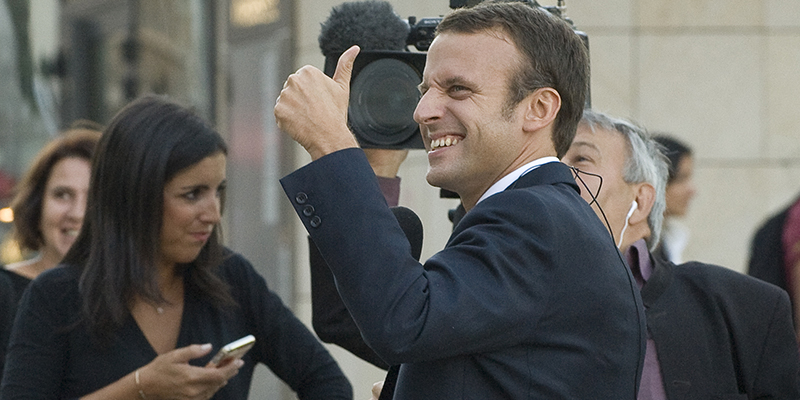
<point x="312" y="108"/>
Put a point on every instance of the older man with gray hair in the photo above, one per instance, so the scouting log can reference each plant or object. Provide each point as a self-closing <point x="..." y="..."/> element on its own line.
<point x="712" y="332"/>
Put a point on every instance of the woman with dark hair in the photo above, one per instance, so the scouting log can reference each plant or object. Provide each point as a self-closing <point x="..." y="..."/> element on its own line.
<point x="48" y="207"/>
<point x="147" y="290"/>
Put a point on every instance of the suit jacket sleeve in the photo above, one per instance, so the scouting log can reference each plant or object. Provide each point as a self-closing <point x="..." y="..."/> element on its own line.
<point x="329" y="316"/>
<point x="452" y="305"/>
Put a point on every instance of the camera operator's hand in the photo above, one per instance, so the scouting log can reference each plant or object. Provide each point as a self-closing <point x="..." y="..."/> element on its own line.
<point x="386" y="162"/>
<point x="377" y="388"/>
<point x="312" y="108"/>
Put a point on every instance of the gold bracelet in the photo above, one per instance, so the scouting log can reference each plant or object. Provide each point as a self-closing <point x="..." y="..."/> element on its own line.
<point x="139" y="385"/>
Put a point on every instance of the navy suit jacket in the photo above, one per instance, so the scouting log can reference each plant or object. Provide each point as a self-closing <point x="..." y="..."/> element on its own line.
<point x="720" y="334"/>
<point x="528" y="300"/>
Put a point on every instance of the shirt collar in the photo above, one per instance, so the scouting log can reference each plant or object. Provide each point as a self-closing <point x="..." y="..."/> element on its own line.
<point x="512" y="177"/>
<point x="638" y="258"/>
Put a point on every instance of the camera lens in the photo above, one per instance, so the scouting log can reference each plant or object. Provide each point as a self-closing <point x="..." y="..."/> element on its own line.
<point x="383" y="97"/>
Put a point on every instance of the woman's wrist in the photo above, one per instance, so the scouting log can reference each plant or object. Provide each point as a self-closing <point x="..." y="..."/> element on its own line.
<point x="138" y="381"/>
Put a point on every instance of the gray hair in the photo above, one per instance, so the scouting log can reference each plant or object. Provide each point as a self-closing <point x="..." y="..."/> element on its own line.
<point x="645" y="163"/>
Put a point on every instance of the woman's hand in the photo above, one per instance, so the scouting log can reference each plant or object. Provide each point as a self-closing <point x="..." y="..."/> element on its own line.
<point x="169" y="376"/>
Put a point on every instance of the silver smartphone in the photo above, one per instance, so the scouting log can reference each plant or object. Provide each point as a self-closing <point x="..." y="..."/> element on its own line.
<point x="233" y="350"/>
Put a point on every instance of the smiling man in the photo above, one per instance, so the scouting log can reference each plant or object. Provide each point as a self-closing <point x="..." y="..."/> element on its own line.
<point x="529" y="299"/>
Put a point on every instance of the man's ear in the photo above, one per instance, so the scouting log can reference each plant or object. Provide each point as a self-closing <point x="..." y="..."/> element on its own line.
<point x="645" y="197"/>
<point x="542" y="108"/>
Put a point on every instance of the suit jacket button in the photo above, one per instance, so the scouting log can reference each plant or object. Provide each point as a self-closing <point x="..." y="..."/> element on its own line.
<point x="301" y="198"/>
<point x="308" y="210"/>
<point x="315" y="222"/>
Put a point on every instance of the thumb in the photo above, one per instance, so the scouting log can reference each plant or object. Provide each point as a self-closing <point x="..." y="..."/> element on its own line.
<point x="344" y="68"/>
<point x="184" y="354"/>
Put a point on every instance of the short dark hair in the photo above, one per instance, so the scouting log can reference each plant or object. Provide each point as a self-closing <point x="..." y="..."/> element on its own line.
<point x="78" y="142"/>
<point x="554" y="57"/>
<point x="675" y="150"/>
<point x="146" y="144"/>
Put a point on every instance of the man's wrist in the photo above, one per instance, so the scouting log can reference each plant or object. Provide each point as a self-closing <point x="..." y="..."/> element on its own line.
<point x="322" y="149"/>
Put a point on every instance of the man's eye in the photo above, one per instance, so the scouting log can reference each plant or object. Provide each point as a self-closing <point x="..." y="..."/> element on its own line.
<point x="572" y="160"/>
<point x="581" y="158"/>
<point x="459" y="92"/>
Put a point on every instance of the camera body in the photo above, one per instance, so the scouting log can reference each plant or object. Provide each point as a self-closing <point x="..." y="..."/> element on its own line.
<point x="422" y="32"/>
<point x="384" y="90"/>
<point x="384" y="84"/>
<point x="383" y="95"/>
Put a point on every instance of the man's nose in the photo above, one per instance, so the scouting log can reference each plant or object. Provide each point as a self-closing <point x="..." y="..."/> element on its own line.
<point x="428" y="109"/>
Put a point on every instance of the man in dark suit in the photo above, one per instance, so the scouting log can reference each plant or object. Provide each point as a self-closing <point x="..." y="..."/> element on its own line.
<point x="713" y="333"/>
<point x="529" y="298"/>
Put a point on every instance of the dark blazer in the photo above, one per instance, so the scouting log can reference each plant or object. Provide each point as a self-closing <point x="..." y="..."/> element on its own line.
<point x="528" y="300"/>
<point x="720" y="334"/>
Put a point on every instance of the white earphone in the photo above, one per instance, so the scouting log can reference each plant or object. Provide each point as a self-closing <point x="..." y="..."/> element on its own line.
<point x="630" y="212"/>
<point x="634" y="205"/>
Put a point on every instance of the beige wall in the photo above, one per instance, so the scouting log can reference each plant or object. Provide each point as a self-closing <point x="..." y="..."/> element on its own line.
<point x="722" y="75"/>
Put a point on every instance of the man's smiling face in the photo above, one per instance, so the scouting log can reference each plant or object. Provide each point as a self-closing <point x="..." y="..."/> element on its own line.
<point x="472" y="137"/>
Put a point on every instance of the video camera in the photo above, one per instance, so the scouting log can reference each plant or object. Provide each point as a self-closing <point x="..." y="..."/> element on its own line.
<point x="383" y="87"/>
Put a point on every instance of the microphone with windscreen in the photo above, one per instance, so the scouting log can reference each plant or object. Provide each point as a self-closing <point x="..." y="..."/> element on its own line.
<point x="372" y="25"/>
<point x="412" y="227"/>
<point x="383" y="87"/>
